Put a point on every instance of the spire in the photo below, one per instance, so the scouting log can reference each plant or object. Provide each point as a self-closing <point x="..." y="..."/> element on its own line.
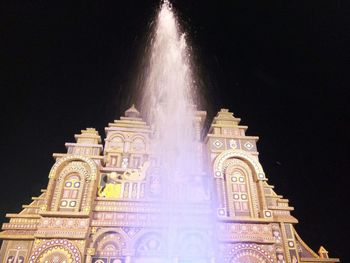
<point x="225" y="118"/>
<point x="90" y="135"/>
<point x="132" y="112"/>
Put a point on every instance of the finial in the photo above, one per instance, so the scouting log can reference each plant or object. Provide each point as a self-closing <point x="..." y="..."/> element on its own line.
<point x="132" y="112"/>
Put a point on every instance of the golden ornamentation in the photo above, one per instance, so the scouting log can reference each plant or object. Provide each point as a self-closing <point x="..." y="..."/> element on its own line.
<point x="93" y="230"/>
<point x="91" y="251"/>
<point x="56" y="248"/>
<point x="113" y="227"/>
<point x="240" y="154"/>
<point x="75" y="167"/>
<point x="56" y="253"/>
<point x="113" y="187"/>
<point x="86" y="208"/>
<point x="43" y="208"/>
<point x="68" y="158"/>
<point x="136" y="174"/>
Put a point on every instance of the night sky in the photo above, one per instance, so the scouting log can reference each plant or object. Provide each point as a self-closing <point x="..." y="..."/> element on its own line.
<point x="281" y="66"/>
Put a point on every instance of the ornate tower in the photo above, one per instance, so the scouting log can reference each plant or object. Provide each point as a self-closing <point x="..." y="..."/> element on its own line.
<point x="254" y="223"/>
<point x="99" y="205"/>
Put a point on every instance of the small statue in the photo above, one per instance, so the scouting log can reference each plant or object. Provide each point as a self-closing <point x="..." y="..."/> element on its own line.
<point x="112" y="188"/>
<point x="136" y="174"/>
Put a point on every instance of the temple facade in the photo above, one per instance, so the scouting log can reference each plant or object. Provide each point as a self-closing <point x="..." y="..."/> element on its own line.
<point x="99" y="204"/>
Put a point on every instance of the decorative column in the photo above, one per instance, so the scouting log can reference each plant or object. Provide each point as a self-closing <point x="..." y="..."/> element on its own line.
<point x="90" y="252"/>
<point x="262" y="196"/>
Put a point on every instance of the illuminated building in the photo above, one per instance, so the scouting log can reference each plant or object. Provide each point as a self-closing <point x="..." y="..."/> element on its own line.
<point x="99" y="203"/>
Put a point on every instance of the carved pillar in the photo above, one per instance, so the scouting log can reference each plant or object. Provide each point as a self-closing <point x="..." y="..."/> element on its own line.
<point x="221" y="197"/>
<point x="49" y="194"/>
<point x="261" y="198"/>
<point x="91" y="191"/>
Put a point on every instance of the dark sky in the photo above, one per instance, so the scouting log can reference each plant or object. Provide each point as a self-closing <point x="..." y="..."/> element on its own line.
<point x="281" y="66"/>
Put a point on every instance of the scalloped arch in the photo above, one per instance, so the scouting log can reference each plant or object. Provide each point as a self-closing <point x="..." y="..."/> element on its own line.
<point x="222" y="157"/>
<point x="104" y="231"/>
<point x="253" y="252"/>
<point x="60" y="164"/>
<point x="57" y="245"/>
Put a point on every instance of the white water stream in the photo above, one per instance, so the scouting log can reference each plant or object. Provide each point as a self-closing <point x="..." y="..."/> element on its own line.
<point x="168" y="103"/>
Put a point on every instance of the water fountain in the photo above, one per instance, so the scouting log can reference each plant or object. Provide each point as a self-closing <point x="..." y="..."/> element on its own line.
<point x="169" y="105"/>
<point x="159" y="194"/>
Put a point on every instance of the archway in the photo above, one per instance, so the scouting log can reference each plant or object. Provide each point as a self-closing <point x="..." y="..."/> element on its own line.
<point x="150" y="248"/>
<point x="250" y="253"/>
<point x="56" y="251"/>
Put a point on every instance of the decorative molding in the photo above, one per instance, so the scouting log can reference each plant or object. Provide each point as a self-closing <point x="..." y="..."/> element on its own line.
<point x="60" y="245"/>
<point x="69" y="158"/>
<point x="240" y="154"/>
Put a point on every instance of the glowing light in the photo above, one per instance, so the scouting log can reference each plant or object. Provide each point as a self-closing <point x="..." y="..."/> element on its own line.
<point x="168" y="104"/>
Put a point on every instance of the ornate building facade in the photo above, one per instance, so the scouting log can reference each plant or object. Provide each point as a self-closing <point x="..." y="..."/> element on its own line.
<point x="99" y="203"/>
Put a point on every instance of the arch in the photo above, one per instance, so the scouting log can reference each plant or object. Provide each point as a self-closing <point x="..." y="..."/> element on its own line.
<point x="240" y="188"/>
<point x="108" y="244"/>
<point x="61" y="163"/>
<point x="253" y="253"/>
<point x="104" y="232"/>
<point x="138" y="143"/>
<point x="61" y="249"/>
<point x="114" y="135"/>
<point x="116" y="142"/>
<point x="76" y="174"/>
<point x="150" y="244"/>
<point x="240" y="154"/>
<point x="57" y="255"/>
<point x="194" y="244"/>
<point x="77" y="167"/>
<point x="70" y="192"/>
<point x="81" y="165"/>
